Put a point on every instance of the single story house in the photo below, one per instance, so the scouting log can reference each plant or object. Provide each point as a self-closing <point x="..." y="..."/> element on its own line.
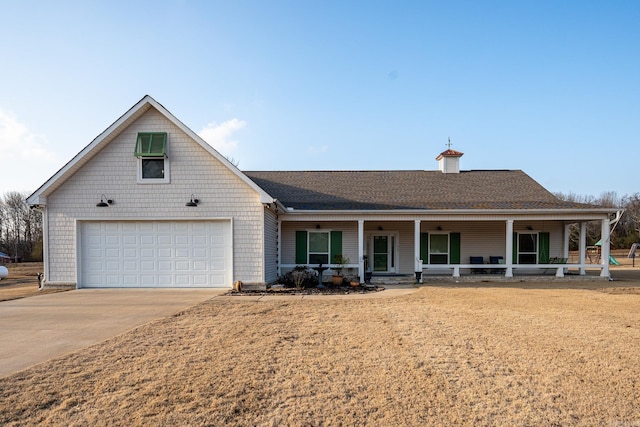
<point x="148" y="203"/>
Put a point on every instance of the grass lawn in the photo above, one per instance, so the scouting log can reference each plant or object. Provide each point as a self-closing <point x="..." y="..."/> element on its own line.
<point x="475" y="354"/>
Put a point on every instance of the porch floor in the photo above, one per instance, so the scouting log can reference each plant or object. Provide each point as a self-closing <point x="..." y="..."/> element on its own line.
<point x="407" y="279"/>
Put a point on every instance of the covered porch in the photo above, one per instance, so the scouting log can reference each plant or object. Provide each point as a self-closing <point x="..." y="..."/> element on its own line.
<point x="421" y="248"/>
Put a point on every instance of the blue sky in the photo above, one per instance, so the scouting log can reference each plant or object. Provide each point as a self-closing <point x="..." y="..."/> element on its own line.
<point x="549" y="87"/>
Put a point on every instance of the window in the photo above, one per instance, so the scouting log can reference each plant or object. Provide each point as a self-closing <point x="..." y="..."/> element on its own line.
<point x="527" y="248"/>
<point x="151" y="151"/>
<point x="438" y="249"/>
<point x="318" y="247"/>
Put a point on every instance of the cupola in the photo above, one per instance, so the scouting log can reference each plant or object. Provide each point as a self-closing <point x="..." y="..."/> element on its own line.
<point x="449" y="161"/>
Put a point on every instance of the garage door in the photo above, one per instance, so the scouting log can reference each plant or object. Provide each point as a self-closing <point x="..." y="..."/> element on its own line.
<point x="155" y="254"/>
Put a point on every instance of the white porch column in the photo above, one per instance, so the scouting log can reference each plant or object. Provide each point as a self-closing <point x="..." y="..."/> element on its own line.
<point x="417" y="262"/>
<point x="508" y="259"/>
<point x="565" y="242"/>
<point x="583" y="248"/>
<point x="361" y="250"/>
<point x="278" y="251"/>
<point x="605" y="249"/>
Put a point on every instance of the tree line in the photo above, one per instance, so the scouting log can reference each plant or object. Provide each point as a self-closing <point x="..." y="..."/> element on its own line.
<point x="625" y="233"/>
<point x="21" y="226"/>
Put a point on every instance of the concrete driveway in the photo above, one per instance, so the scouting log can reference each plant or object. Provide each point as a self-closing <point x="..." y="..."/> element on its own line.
<point x="35" y="329"/>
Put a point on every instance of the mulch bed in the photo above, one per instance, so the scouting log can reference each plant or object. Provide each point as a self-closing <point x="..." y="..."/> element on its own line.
<point x="320" y="290"/>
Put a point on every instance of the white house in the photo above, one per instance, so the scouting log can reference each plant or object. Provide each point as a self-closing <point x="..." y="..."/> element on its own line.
<point x="148" y="203"/>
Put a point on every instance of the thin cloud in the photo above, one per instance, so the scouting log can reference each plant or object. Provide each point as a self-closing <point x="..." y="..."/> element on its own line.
<point x="318" y="150"/>
<point x="26" y="159"/>
<point x="219" y="136"/>
<point x="18" y="142"/>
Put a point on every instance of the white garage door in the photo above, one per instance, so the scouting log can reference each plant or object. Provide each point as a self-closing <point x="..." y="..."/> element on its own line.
<point x="155" y="254"/>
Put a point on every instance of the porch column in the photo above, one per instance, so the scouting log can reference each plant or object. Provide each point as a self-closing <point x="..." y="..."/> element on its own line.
<point x="605" y="248"/>
<point x="361" y="250"/>
<point x="416" y="251"/>
<point x="583" y="248"/>
<point x="565" y="242"/>
<point x="278" y="251"/>
<point x="508" y="258"/>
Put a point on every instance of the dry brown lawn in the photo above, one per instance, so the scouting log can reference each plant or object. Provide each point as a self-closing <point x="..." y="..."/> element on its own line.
<point x="22" y="281"/>
<point x="475" y="354"/>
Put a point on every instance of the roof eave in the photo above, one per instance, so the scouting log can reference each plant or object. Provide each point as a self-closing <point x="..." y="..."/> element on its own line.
<point x="599" y="211"/>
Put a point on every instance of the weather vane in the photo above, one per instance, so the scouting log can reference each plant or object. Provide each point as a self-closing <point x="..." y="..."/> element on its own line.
<point x="449" y="143"/>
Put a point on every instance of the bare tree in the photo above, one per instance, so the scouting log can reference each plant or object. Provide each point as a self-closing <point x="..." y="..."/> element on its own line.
<point x="20" y="227"/>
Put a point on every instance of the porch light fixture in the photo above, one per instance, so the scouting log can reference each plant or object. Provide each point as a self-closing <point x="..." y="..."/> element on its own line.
<point x="104" y="202"/>
<point x="193" y="202"/>
<point x="318" y="226"/>
<point x="529" y="227"/>
<point x="439" y="228"/>
<point x="380" y="228"/>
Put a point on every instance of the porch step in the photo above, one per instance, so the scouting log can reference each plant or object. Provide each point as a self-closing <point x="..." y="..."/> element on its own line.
<point x="395" y="279"/>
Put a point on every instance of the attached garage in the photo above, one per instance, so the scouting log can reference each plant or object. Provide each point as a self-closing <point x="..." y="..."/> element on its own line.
<point x="148" y="254"/>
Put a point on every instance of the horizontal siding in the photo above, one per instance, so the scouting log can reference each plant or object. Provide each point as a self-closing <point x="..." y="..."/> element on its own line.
<point x="485" y="238"/>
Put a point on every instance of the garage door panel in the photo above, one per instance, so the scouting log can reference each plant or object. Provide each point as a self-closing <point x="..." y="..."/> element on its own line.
<point x="165" y="252"/>
<point x="165" y="266"/>
<point x="147" y="239"/>
<point x="155" y="254"/>
<point x="148" y="252"/>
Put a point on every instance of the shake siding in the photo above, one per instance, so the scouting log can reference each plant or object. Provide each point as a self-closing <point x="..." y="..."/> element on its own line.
<point x="113" y="172"/>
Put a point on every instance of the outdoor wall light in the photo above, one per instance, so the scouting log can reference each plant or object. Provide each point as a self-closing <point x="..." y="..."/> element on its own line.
<point x="439" y="228"/>
<point x="529" y="227"/>
<point x="193" y="202"/>
<point x="380" y="228"/>
<point x="104" y="202"/>
<point x="318" y="226"/>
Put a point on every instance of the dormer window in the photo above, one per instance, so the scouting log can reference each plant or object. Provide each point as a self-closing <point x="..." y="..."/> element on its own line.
<point x="153" y="162"/>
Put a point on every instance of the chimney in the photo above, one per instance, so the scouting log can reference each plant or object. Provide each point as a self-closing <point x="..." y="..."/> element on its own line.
<point x="449" y="161"/>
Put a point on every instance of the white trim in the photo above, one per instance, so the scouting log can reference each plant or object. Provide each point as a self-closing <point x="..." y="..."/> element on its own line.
<point x="167" y="172"/>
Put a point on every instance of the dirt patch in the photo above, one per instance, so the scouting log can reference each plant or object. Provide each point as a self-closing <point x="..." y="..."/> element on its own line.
<point x="476" y="355"/>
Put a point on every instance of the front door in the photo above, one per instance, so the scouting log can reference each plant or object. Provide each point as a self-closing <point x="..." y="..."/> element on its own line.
<point x="384" y="253"/>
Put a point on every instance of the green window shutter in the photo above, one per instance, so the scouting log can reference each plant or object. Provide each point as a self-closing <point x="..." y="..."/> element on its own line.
<point x="454" y="248"/>
<point x="151" y="144"/>
<point x="543" y="247"/>
<point x="424" y="247"/>
<point x="515" y="248"/>
<point x="301" y="247"/>
<point x="336" y="245"/>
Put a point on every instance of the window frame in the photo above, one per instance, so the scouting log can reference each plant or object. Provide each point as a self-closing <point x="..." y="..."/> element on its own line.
<point x="319" y="253"/>
<point x="160" y="155"/>
<point x="447" y="253"/>
<point x="167" y="172"/>
<point x="535" y="253"/>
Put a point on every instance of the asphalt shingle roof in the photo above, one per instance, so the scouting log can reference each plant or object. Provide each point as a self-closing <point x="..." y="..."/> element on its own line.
<point x="399" y="190"/>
